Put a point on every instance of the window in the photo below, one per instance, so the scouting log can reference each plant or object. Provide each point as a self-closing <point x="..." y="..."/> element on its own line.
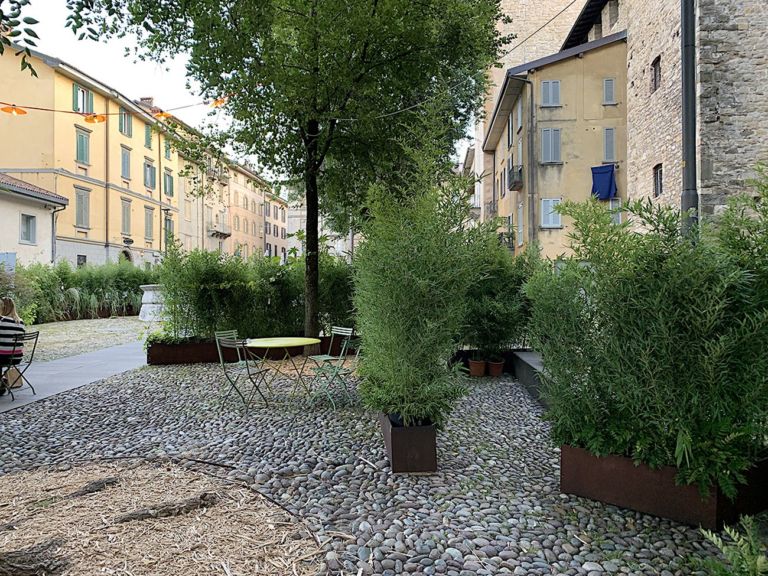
<point x="82" y="100"/>
<point x="275" y="231"/>
<point x="83" y="147"/>
<point x="267" y="209"/>
<point x="149" y="218"/>
<point x="167" y="150"/>
<point x="502" y="183"/>
<point x="82" y="207"/>
<point x="148" y="136"/>
<point x="236" y="223"/>
<point x="613" y="12"/>
<point x="609" y="145"/>
<point x="656" y="74"/>
<point x="658" y="180"/>
<point x="519" y="113"/>
<point x="550" y="145"/>
<point x="269" y="249"/>
<point x="245" y="225"/>
<point x="168" y="230"/>
<point x="274" y="211"/>
<point x="550" y="93"/>
<point x="520" y="151"/>
<point x="168" y="182"/>
<point x="550" y="218"/>
<point x="609" y="91"/>
<point x="125" y="212"/>
<point x="267" y="228"/>
<point x="614" y="205"/>
<point x="82" y="260"/>
<point x="187" y="209"/>
<point x="28" y="232"/>
<point x="150" y="175"/>
<point x="282" y="215"/>
<point x="520" y="224"/>
<point x="125" y="121"/>
<point x="237" y="199"/>
<point x="509" y="131"/>
<point x="282" y="233"/>
<point x="125" y="162"/>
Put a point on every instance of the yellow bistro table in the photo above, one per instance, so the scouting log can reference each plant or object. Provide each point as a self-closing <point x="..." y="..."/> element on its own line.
<point x="284" y="343"/>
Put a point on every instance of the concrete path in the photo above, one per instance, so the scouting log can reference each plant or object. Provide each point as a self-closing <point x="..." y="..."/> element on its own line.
<point x="56" y="376"/>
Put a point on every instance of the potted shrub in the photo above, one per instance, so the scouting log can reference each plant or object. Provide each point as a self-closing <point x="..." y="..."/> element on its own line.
<point x="476" y="366"/>
<point x="412" y="274"/>
<point x="655" y="371"/>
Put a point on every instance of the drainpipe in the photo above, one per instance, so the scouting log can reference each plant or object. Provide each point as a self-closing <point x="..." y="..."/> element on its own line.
<point x="54" y="212"/>
<point x="532" y="231"/>
<point x="106" y="184"/>
<point x="690" y="198"/>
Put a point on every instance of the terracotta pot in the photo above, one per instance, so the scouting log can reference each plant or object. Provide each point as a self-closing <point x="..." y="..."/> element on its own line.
<point x="477" y="368"/>
<point x="617" y="480"/>
<point x="411" y="449"/>
<point x="495" y="369"/>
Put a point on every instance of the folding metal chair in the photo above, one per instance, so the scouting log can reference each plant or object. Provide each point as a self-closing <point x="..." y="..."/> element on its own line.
<point x="21" y="351"/>
<point x="244" y="367"/>
<point x="335" y="374"/>
<point x="336" y="331"/>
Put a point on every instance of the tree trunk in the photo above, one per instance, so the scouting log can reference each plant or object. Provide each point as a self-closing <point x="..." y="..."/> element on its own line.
<point x="311" y="277"/>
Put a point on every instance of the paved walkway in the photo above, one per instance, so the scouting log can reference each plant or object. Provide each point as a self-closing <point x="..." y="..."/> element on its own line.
<point x="56" y="376"/>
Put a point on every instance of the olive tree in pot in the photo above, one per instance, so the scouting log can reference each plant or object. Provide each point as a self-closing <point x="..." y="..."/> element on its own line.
<point x="412" y="274"/>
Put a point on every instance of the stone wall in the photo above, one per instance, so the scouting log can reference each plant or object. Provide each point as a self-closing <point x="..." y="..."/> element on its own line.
<point x="653" y="118"/>
<point x="733" y="74"/>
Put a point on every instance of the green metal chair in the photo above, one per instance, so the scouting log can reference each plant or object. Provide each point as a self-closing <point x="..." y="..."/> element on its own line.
<point x="334" y="375"/>
<point x="245" y="367"/>
<point x="336" y="332"/>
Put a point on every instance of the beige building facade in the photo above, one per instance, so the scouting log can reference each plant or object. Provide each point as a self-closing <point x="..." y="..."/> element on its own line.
<point x="558" y="121"/>
<point x="28" y="216"/>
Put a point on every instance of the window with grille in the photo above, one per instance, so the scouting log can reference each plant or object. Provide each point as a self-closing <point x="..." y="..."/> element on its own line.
<point x="550" y="218"/>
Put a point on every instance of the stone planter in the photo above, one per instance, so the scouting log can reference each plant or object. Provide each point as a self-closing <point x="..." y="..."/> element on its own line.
<point x="411" y="449"/>
<point x="151" y="303"/>
<point x="616" y="480"/>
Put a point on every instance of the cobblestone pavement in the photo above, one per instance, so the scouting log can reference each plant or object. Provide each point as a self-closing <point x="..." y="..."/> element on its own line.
<point x="493" y="508"/>
<point x="61" y="339"/>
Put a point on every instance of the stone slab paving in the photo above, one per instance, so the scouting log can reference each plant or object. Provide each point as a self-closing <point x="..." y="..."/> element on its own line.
<point x="494" y="507"/>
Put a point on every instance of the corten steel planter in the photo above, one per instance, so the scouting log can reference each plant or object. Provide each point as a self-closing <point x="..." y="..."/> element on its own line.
<point x="476" y="368"/>
<point x="205" y="352"/>
<point x="616" y="480"/>
<point x="411" y="449"/>
<point x="495" y="369"/>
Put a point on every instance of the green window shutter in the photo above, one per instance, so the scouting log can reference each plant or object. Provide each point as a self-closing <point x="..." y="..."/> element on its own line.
<point x="129" y="127"/>
<point x="148" y="136"/>
<point x="90" y="102"/>
<point x="121" y="121"/>
<point x="154" y="177"/>
<point x="75" y="94"/>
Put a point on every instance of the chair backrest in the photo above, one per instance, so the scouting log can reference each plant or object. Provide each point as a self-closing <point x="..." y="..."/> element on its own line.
<point x="343" y="332"/>
<point x="21" y="341"/>
<point x="227" y="339"/>
<point x="229" y="334"/>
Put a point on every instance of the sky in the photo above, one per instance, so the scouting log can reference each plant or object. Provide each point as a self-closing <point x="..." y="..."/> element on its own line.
<point x="107" y="63"/>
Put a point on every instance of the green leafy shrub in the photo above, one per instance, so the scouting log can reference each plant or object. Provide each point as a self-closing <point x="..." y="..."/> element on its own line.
<point x="654" y="346"/>
<point x="259" y="297"/>
<point x="46" y="293"/>
<point x="497" y="307"/>
<point x="745" y="554"/>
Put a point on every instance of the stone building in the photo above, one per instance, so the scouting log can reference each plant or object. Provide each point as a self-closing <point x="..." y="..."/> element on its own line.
<point x="732" y="78"/>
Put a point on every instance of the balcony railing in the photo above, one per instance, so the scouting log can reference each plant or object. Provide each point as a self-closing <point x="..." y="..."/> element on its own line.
<point x="219" y="230"/>
<point x="515" y="178"/>
<point x="491" y="208"/>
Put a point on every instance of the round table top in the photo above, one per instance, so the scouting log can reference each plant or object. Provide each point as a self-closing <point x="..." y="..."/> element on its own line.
<point x="280" y="342"/>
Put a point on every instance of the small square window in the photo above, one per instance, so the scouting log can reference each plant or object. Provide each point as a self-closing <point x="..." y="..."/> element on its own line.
<point x="28" y="232"/>
<point x="82" y="260"/>
<point x="550" y="93"/>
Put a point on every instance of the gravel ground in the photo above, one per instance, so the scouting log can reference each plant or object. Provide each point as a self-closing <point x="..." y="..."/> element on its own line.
<point x="61" y="339"/>
<point x="494" y="507"/>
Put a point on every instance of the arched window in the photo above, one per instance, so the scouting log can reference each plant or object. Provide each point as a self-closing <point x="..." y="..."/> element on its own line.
<point x="245" y="225"/>
<point x="244" y="252"/>
<point x="237" y="199"/>
<point x="237" y="222"/>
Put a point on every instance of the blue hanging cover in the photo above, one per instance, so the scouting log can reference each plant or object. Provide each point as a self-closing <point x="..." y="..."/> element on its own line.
<point x="604" y="182"/>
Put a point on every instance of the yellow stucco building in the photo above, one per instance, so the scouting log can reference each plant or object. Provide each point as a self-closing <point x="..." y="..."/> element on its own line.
<point x="109" y="156"/>
<point x="557" y="132"/>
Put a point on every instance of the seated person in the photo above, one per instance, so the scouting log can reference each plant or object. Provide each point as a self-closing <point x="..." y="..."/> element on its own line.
<point x="11" y="326"/>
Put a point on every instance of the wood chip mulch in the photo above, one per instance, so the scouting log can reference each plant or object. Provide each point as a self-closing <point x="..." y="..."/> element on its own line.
<point x="140" y="518"/>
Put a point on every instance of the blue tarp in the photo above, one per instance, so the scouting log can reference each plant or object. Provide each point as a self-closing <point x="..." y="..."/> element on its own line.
<point x="604" y="182"/>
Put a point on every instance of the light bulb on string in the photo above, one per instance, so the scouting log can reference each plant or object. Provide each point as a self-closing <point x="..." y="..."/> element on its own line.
<point x="13" y="110"/>
<point x="95" y="118"/>
<point x="162" y="115"/>
<point x="219" y="102"/>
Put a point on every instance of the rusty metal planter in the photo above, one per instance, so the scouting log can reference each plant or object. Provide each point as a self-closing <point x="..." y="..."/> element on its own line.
<point x="616" y="480"/>
<point x="411" y="449"/>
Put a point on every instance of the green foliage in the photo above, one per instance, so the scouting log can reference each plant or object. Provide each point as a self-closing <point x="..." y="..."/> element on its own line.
<point x="412" y="276"/>
<point x="497" y="307"/>
<point x="46" y="293"/>
<point x="654" y="346"/>
<point x="208" y="291"/>
<point x="745" y="554"/>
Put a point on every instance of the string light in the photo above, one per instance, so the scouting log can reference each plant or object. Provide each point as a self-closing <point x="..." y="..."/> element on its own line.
<point x="13" y="110"/>
<point x="219" y="102"/>
<point x="162" y="115"/>
<point x="95" y="118"/>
